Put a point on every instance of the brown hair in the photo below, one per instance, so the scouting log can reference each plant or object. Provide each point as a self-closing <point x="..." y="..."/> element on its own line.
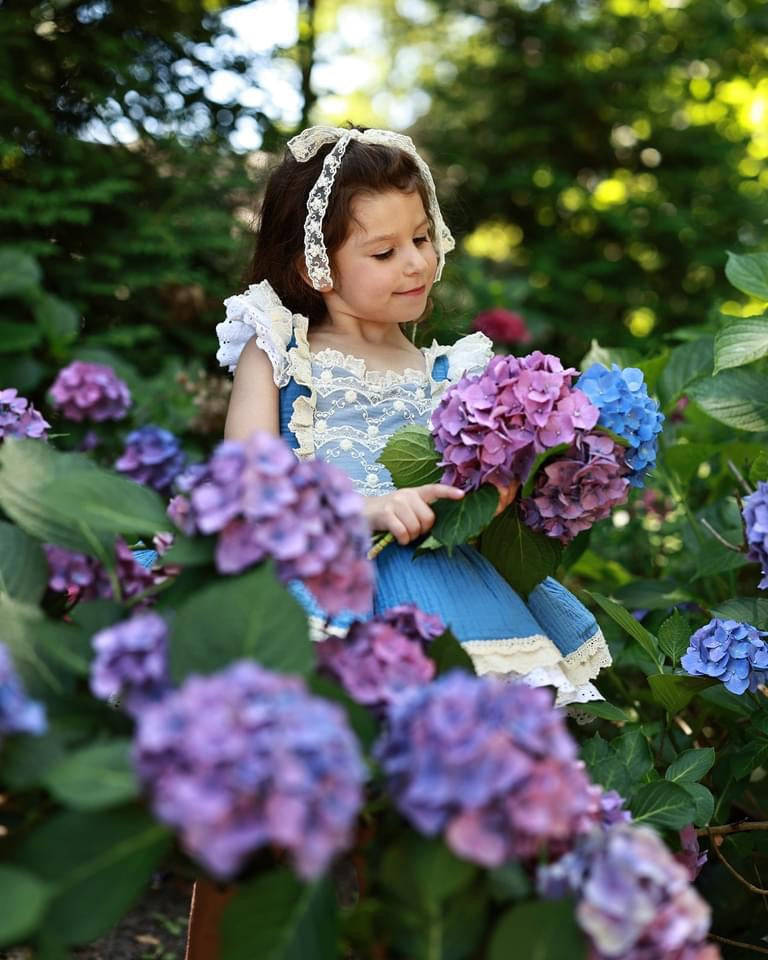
<point x="365" y="169"/>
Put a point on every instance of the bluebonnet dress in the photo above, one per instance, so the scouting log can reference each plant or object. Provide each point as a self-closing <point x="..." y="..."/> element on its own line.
<point x="334" y="409"/>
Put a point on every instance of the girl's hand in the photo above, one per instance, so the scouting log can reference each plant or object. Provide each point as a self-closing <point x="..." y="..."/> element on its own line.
<point x="406" y="513"/>
<point x="506" y="496"/>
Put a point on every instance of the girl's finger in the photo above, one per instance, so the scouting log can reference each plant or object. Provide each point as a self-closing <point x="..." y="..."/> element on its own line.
<point x="399" y="531"/>
<point x="425" y="515"/>
<point x="439" y="491"/>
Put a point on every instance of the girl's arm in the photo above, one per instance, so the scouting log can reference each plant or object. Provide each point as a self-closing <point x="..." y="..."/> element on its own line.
<point x="253" y="404"/>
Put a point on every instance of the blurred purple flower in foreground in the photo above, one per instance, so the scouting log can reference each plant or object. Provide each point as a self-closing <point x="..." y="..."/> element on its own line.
<point x="755" y="514"/>
<point x="381" y="657"/>
<point x="131" y="661"/>
<point x="577" y="488"/>
<point x="18" y="714"/>
<point x="18" y="417"/>
<point x="490" y="427"/>
<point x="502" y="325"/>
<point x="634" y="900"/>
<point x="306" y="515"/>
<point x="245" y="759"/>
<point x="90" y="391"/>
<point x="152" y="456"/>
<point x="732" y="652"/>
<point x="69" y="571"/>
<point x="690" y="855"/>
<point x="488" y="764"/>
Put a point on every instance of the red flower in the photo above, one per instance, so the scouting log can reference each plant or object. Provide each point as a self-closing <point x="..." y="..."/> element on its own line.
<point x="502" y="325"/>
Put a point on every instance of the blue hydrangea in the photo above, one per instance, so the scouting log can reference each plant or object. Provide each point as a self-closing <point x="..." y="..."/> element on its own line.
<point x="18" y="714"/>
<point x="628" y="411"/>
<point x="733" y="652"/>
<point x="131" y="661"/>
<point x="152" y="456"/>
<point x="755" y="514"/>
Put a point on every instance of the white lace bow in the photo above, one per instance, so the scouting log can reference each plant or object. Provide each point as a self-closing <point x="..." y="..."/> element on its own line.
<point x="306" y="144"/>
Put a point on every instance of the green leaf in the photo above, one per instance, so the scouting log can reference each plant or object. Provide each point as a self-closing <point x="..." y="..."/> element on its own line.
<point x="19" y="273"/>
<point x="97" y="863"/>
<point x="759" y="470"/>
<point x="749" y="758"/>
<point x="538" y="931"/>
<point x="674" y="636"/>
<point x="674" y="692"/>
<point x="606" y="767"/>
<point x="752" y="610"/>
<point x="627" y="622"/>
<point x="686" y="363"/>
<point x="633" y="749"/>
<point x="703" y="801"/>
<point x="276" y="917"/>
<point x="538" y="463"/>
<point x="741" y="341"/>
<point x="23" y="568"/>
<point x="691" y="765"/>
<point x="713" y="558"/>
<point x="457" y="521"/>
<point x="95" y="777"/>
<point x="737" y="398"/>
<point x="522" y="557"/>
<point x="686" y="458"/>
<point x="361" y="720"/>
<point x="58" y="320"/>
<point x="190" y="551"/>
<point x="249" y="616"/>
<point x="606" y="356"/>
<point x="604" y="711"/>
<point x="23" y="897"/>
<point x="449" y="654"/>
<point x="411" y="458"/>
<point x="662" y="804"/>
<point x="18" y="337"/>
<point x="748" y="272"/>
<point x="651" y="594"/>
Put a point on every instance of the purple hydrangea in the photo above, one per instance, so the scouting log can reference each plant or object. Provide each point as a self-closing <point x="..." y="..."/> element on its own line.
<point x="152" y="456"/>
<point x="634" y="901"/>
<point x="18" y="714"/>
<point x="490" y="427"/>
<point x="612" y="809"/>
<point x="733" y="652"/>
<point x="755" y="514"/>
<point x="263" y="502"/>
<point x="489" y="765"/>
<point x="18" y="417"/>
<point x="627" y="410"/>
<point x="131" y="661"/>
<point x="376" y="660"/>
<point x="245" y="759"/>
<point x="90" y="391"/>
<point x="86" y="578"/>
<point x="691" y="855"/>
<point x="577" y="487"/>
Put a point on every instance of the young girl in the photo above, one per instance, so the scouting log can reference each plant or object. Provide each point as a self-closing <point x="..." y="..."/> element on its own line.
<point x="350" y="243"/>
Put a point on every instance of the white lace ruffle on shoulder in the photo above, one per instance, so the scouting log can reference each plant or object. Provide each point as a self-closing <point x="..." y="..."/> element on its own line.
<point x="259" y="313"/>
<point x="468" y="355"/>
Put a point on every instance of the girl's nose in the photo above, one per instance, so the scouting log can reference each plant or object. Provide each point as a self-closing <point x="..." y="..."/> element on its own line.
<point x="415" y="262"/>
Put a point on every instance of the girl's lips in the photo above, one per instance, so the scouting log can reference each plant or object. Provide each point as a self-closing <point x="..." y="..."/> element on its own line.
<point x="416" y="292"/>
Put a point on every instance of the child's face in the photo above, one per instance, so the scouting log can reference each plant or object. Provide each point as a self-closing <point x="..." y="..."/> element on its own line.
<point x="386" y="266"/>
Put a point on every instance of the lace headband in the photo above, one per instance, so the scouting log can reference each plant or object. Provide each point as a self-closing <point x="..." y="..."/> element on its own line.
<point x="304" y="146"/>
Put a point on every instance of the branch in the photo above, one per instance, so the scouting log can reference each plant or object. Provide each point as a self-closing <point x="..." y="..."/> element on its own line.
<point x="744" y="826"/>
<point x="737" y="473"/>
<point x="737" y="943"/>
<point x="719" y="537"/>
<point x="735" y="873"/>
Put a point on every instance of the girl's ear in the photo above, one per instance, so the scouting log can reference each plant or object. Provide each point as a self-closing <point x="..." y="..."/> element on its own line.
<point x="301" y="266"/>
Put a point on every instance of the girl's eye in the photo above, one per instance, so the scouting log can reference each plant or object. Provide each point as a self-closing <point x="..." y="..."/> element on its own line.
<point x="383" y="256"/>
<point x="420" y="240"/>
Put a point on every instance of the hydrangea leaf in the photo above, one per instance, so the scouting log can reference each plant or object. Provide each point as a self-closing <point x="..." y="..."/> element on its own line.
<point x="662" y="804"/>
<point x="686" y="362"/>
<point x="713" y="558"/>
<point x="522" y="557"/>
<point x="660" y="594"/>
<point x="605" y="766"/>
<point x="691" y="765"/>
<point x="633" y="749"/>
<point x="449" y="654"/>
<point x="117" y="853"/>
<point x="23" y="570"/>
<point x="759" y="470"/>
<point x="457" y="521"/>
<point x="276" y="917"/>
<point x="425" y="870"/>
<point x="674" y="635"/>
<point x="737" y="398"/>
<point x="740" y="342"/>
<point x="704" y="802"/>
<point x="540" y="461"/>
<point x="606" y="356"/>
<point x="18" y="337"/>
<point x="605" y="711"/>
<point x="748" y="272"/>
<point x="359" y="718"/>
<point x="411" y="457"/>
<point x="190" y="551"/>
<point x="95" y="777"/>
<point x="627" y="622"/>
<point x="19" y="273"/>
<point x="674" y="692"/>
<point x="23" y="896"/>
<point x="752" y="610"/>
<point x="544" y="930"/>
<point x="686" y="458"/>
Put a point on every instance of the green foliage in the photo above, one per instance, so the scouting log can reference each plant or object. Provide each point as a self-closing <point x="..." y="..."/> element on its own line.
<point x="411" y="458"/>
<point x="522" y="557"/>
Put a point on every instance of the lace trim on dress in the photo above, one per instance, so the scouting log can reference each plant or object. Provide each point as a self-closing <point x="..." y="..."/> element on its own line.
<point x="378" y="379"/>
<point x="302" y="420"/>
<point x="586" y="663"/>
<point x="258" y="312"/>
<point x="516" y="655"/>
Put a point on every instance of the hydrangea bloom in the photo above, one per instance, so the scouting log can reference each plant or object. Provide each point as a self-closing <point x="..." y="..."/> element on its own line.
<point x="612" y="809"/>
<point x="490" y="765"/>
<point x="502" y="325"/>
<point x="131" y="661"/>
<point x="18" y="714"/>
<point x="627" y="410"/>
<point x="691" y="855"/>
<point x="18" y="417"/>
<point x="152" y="456"/>
<point x="577" y="487"/>
<point x="490" y="427"/>
<point x="87" y="578"/>
<point x="306" y="515"/>
<point x="90" y="391"/>
<point x="377" y="660"/>
<point x="246" y="758"/>
<point x="635" y="901"/>
<point x="733" y="652"/>
<point x="755" y="514"/>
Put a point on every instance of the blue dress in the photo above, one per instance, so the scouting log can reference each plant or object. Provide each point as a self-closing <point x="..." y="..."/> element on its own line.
<point x="335" y="409"/>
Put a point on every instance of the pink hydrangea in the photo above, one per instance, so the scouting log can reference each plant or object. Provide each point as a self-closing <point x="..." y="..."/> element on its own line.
<point x="90" y="391"/>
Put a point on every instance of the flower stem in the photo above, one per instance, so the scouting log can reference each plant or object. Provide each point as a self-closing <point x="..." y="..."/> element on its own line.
<point x="380" y="544"/>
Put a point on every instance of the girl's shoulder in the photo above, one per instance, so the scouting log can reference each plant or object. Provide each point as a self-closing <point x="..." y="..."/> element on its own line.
<point x="468" y="355"/>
